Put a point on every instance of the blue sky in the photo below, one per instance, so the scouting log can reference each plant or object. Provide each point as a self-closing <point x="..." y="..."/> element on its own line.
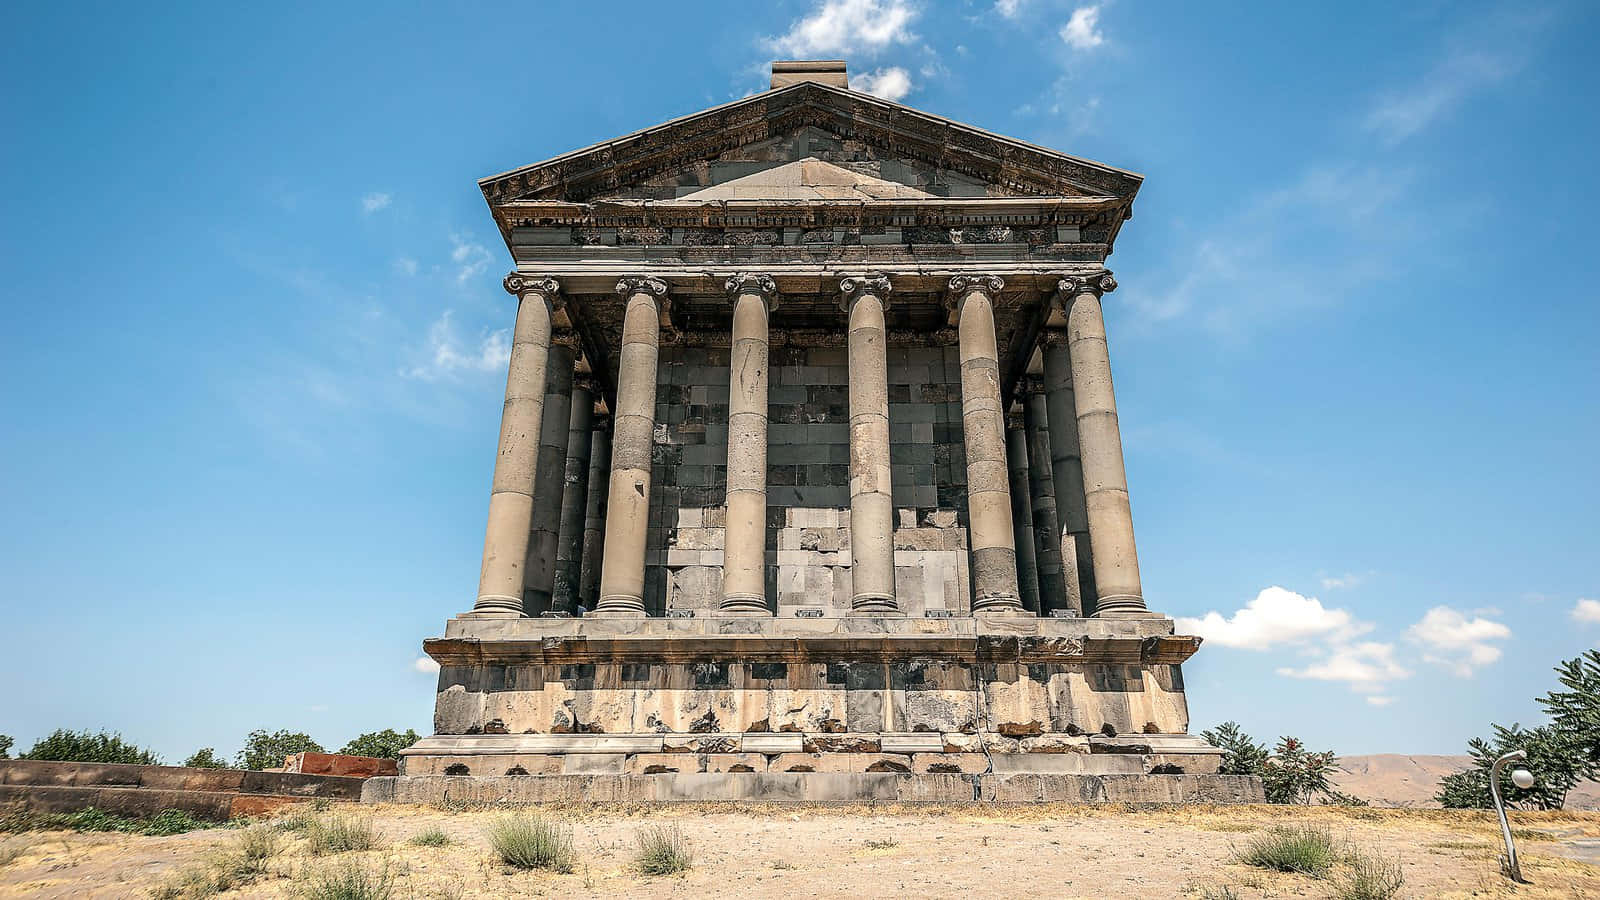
<point x="253" y="335"/>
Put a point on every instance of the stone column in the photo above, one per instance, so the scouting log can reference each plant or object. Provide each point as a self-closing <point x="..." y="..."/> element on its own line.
<point x="574" y="498"/>
<point x="505" y="542"/>
<point x="1116" y="561"/>
<point x="549" y="482"/>
<point x="633" y="427"/>
<point x="1058" y="578"/>
<point x="871" y="502"/>
<point x="994" y="545"/>
<point x="1077" y="562"/>
<point x="744" y="554"/>
<point x="594" y="517"/>
<point x="1021" y="514"/>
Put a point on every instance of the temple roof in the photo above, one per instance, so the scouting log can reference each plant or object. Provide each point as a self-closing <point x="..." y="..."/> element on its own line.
<point x="808" y="179"/>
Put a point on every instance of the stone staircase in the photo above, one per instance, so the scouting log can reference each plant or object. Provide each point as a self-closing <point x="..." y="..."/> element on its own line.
<point x="134" y="791"/>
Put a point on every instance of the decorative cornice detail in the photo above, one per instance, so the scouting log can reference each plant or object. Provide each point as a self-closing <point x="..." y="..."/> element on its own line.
<point x="629" y="285"/>
<point x="1099" y="284"/>
<point x="520" y="285"/>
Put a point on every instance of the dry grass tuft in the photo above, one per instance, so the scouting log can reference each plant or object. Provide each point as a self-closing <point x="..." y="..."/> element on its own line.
<point x="526" y="841"/>
<point x="341" y="834"/>
<point x="1368" y="877"/>
<point x="348" y="879"/>
<point x="663" y="850"/>
<point x="1302" y="849"/>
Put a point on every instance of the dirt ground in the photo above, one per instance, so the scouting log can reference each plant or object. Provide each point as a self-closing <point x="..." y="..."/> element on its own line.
<point x="789" y="852"/>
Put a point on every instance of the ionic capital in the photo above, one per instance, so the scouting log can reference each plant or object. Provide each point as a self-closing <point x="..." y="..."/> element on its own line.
<point x="1098" y="284"/>
<point x="962" y="286"/>
<point x="855" y="287"/>
<point x="751" y="283"/>
<point x="629" y="285"/>
<point x="520" y="285"/>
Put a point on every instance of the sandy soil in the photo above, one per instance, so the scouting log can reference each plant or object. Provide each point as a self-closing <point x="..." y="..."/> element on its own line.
<point x="787" y="852"/>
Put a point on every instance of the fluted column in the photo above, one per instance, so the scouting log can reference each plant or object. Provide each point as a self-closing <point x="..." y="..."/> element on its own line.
<point x="594" y="518"/>
<point x="744" y="553"/>
<point x="1021" y="514"/>
<point x="549" y="480"/>
<point x="1058" y="577"/>
<point x="994" y="546"/>
<point x="871" y="502"/>
<point x="1116" y="561"/>
<point x="574" y="498"/>
<point x="1077" y="560"/>
<point x="505" y="543"/>
<point x="628" y="499"/>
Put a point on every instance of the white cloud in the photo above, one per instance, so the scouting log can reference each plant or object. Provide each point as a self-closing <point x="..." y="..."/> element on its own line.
<point x="471" y="258"/>
<point x="1403" y="113"/>
<point x="1347" y="580"/>
<point x="1008" y="8"/>
<point x="1082" y="31"/>
<point x="1276" y="616"/>
<point x="449" y="355"/>
<point x="840" y="27"/>
<point x="1377" y="700"/>
<point x="890" y="84"/>
<point x="1460" y="644"/>
<point x="1586" y="611"/>
<point x="375" y="201"/>
<point x="425" y="664"/>
<point x="405" y="265"/>
<point x="1366" y="667"/>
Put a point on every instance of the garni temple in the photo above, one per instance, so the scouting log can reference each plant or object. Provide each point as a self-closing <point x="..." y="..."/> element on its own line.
<point x="810" y="478"/>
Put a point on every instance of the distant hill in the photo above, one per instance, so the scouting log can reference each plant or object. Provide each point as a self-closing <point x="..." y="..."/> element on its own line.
<point x="1397" y="779"/>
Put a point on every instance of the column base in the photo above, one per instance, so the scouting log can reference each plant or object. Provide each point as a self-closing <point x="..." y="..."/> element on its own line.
<point x="495" y="606"/>
<point x="743" y="605"/>
<point x="1000" y="606"/>
<point x="623" y="607"/>
<point x="874" y="605"/>
<point x="1122" y="606"/>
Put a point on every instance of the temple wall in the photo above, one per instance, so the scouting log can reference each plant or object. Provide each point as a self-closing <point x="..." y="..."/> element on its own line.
<point x="808" y="481"/>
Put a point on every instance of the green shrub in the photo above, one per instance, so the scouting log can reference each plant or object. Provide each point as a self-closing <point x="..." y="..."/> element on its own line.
<point x="1369" y="878"/>
<point x="205" y="758"/>
<point x="166" y="822"/>
<point x="432" y="837"/>
<point x="340" y="834"/>
<point x="5" y="746"/>
<point x="526" y="841"/>
<point x="267" y="751"/>
<point x="64" y="745"/>
<point x="349" y="879"/>
<point x="385" y="744"/>
<point x="1302" y="849"/>
<point x="663" y="850"/>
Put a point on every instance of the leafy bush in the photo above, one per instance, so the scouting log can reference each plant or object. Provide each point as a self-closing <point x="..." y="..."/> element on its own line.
<point x="267" y="751"/>
<point x="1289" y="772"/>
<point x="663" y="850"/>
<point x="205" y="758"/>
<point x="165" y="822"/>
<point x="1369" y="878"/>
<point x="432" y="837"/>
<point x="527" y="841"/>
<point x="5" y="746"/>
<point x="65" y="745"/>
<point x="1241" y="755"/>
<point x="350" y="879"/>
<point x="340" y="834"/>
<point x="1301" y="849"/>
<point x="385" y="744"/>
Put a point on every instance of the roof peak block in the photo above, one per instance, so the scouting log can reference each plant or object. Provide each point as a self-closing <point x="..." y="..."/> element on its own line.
<point x="820" y="71"/>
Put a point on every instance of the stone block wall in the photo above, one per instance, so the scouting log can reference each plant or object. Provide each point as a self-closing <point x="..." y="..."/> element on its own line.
<point x="808" y="481"/>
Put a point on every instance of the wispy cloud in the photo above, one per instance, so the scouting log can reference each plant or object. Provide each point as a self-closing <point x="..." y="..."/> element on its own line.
<point x="1457" y="643"/>
<point x="470" y="257"/>
<point x="1346" y="580"/>
<point x="448" y="354"/>
<point x="1366" y="667"/>
<point x="891" y="84"/>
<point x="838" y="27"/>
<point x="405" y="265"/>
<point x="425" y="664"/>
<point x="1008" y="8"/>
<point x="1586" y="611"/>
<point x="1082" y="31"/>
<point x="375" y="201"/>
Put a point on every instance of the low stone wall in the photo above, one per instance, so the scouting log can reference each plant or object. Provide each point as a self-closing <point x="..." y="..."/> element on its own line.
<point x="816" y="788"/>
<point x="339" y="764"/>
<point x="129" y="790"/>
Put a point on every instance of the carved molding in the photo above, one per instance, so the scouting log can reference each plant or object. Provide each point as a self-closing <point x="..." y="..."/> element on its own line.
<point x="520" y="285"/>
<point x="1054" y="337"/>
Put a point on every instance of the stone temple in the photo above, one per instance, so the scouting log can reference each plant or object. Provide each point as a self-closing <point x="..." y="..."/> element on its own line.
<point x="810" y="480"/>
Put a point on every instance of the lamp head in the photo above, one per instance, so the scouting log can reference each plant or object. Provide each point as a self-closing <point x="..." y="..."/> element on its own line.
<point x="1522" y="778"/>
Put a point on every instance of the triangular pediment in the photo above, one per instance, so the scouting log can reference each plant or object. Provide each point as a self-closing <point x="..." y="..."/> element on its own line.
<point x="879" y="145"/>
<point x="808" y="179"/>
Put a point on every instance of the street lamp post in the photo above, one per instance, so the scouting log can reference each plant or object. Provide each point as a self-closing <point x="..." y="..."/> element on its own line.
<point x="1522" y="778"/>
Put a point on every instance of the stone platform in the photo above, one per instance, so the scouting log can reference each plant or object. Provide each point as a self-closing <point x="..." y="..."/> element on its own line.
<point x="818" y="787"/>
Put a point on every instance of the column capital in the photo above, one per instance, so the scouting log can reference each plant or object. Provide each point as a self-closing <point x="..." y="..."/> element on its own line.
<point x="854" y="287"/>
<point x="520" y="285"/>
<point x="628" y="285"/>
<point x="962" y="286"/>
<point x="1098" y="284"/>
<point x="751" y="283"/>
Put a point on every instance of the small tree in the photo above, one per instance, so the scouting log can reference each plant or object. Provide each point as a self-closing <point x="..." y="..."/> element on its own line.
<point x="263" y="750"/>
<point x="205" y="758"/>
<point x="1555" y="758"/>
<point x="65" y="745"/>
<point x="1575" y="712"/>
<point x="1241" y="755"/>
<point x="5" y="746"/>
<point x="385" y="744"/>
